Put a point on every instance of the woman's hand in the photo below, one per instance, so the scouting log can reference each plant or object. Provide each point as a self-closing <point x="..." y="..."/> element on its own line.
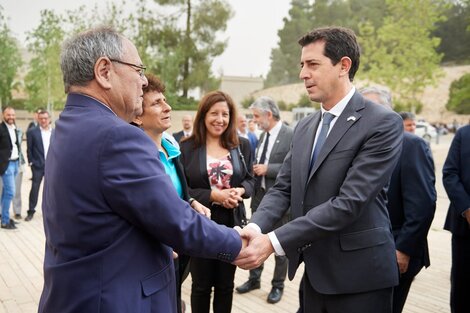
<point x="235" y="198"/>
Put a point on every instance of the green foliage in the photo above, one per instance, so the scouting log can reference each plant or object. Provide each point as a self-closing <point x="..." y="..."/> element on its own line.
<point x="10" y="61"/>
<point x="44" y="79"/>
<point x="283" y="106"/>
<point x="459" y="95"/>
<point x="193" y="47"/>
<point x="285" y="58"/>
<point x="401" y="53"/>
<point x="247" y="102"/>
<point x="455" y="33"/>
<point x="303" y="17"/>
<point x="305" y="102"/>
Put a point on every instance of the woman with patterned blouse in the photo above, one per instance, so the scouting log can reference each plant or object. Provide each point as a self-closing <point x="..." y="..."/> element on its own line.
<point x="215" y="162"/>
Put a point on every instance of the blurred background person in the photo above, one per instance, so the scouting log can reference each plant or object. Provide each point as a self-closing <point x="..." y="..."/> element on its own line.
<point x="9" y="162"/>
<point x="272" y="149"/>
<point x="154" y="120"/>
<point x="244" y="132"/>
<point x="38" y="141"/>
<point x="187" y="122"/>
<point x="456" y="179"/>
<point x="216" y="162"/>
<point x="411" y="203"/>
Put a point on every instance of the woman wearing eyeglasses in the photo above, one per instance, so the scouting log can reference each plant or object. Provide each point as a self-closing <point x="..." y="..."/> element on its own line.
<point x="216" y="163"/>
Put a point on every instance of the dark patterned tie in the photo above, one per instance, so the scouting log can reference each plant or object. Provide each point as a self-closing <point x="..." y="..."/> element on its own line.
<point x="326" y="120"/>
<point x="262" y="159"/>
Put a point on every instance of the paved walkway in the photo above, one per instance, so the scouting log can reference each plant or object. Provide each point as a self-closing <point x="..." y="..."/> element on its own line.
<point x="22" y="250"/>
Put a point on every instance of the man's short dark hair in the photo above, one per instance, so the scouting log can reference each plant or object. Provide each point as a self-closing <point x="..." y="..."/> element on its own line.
<point x="339" y="42"/>
<point x="407" y="116"/>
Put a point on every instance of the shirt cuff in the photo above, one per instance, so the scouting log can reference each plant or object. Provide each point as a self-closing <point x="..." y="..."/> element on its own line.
<point x="276" y="244"/>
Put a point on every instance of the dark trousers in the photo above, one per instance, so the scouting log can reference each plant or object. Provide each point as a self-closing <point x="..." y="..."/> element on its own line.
<point x="38" y="174"/>
<point x="460" y="274"/>
<point x="400" y="292"/>
<point x="208" y="273"/>
<point x="280" y="272"/>
<point x="375" y="301"/>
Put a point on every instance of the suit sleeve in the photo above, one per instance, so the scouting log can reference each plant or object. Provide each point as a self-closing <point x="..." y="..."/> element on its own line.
<point x="418" y="194"/>
<point x="137" y="188"/>
<point x="452" y="175"/>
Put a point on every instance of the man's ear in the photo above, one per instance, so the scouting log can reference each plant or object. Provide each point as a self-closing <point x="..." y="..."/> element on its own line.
<point x="137" y="121"/>
<point x="102" y="71"/>
<point x="345" y="63"/>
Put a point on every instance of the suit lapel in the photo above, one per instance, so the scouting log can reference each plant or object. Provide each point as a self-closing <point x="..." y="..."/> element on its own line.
<point x="203" y="164"/>
<point x="278" y="140"/>
<point x="348" y="117"/>
<point x="305" y="158"/>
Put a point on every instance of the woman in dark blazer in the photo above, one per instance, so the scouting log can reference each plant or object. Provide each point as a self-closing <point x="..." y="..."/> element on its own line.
<point x="215" y="161"/>
<point x="155" y="120"/>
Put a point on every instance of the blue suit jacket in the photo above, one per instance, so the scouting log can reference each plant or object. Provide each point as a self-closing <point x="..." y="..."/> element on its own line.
<point x="456" y="179"/>
<point x="412" y="200"/>
<point x="111" y="215"/>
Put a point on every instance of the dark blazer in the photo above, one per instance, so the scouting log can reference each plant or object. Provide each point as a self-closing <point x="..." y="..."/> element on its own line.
<point x="340" y="226"/>
<point x="5" y="147"/>
<point x="456" y="179"/>
<point x="194" y="161"/>
<point x="178" y="135"/>
<point x="412" y="199"/>
<point x="111" y="215"/>
<point x="278" y="153"/>
<point x="35" y="151"/>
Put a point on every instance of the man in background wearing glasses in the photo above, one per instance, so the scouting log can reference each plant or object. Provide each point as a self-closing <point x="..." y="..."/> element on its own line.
<point x="111" y="214"/>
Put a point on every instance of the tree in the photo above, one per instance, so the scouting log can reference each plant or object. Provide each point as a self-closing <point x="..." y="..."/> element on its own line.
<point x="10" y="61"/>
<point x="286" y="57"/>
<point x="455" y="33"/>
<point x="459" y="95"/>
<point x="44" y="79"/>
<point x="303" y="17"/>
<point x="402" y="52"/>
<point x="195" y="46"/>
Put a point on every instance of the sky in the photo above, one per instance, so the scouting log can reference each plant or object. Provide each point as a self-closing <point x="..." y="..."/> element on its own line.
<point x="251" y="33"/>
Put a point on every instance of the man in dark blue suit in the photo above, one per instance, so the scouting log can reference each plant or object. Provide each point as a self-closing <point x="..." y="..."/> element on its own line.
<point x="111" y="214"/>
<point x="411" y="204"/>
<point x="456" y="178"/>
<point x="38" y="140"/>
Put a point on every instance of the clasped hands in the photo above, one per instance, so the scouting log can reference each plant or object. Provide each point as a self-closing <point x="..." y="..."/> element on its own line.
<point x="228" y="198"/>
<point x="256" y="248"/>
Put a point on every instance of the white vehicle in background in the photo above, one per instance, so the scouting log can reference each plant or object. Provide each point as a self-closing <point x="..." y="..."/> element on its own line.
<point x="425" y="131"/>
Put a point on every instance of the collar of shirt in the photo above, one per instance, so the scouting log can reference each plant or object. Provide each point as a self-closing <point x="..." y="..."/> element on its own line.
<point x="272" y="139"/>
<point x="13" y="126"/>
<point x="171" y="150"/>
<point x="338" y="108"/>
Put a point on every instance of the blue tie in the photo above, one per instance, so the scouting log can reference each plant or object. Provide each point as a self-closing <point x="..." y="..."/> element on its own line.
<point x="326" y="120"/>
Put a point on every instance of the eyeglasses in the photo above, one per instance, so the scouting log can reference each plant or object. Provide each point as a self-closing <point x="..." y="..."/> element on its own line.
<point x="140" y="69"/>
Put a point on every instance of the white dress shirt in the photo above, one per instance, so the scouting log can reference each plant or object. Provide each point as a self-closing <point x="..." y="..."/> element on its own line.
<point x="46" y="139"/>
<point x="12" y="132"/>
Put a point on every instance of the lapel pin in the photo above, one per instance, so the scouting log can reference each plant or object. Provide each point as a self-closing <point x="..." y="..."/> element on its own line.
<point x="351" y="118"/>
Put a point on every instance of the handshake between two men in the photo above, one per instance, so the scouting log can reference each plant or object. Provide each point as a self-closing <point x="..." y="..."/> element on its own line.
<point x="256" y="247"/>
